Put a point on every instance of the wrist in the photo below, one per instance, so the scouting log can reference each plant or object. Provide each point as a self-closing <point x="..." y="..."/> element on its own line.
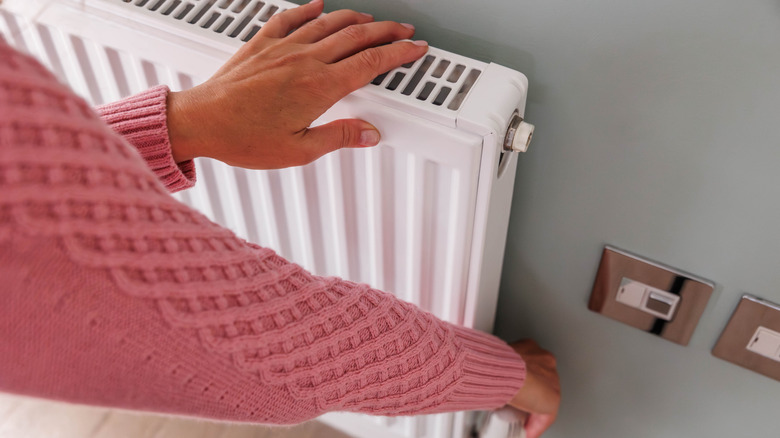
<point x="181" y="132"/>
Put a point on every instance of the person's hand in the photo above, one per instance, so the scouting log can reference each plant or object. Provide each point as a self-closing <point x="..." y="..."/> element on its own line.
<point x="540" y="396"/>
<point x="256" y="111"/>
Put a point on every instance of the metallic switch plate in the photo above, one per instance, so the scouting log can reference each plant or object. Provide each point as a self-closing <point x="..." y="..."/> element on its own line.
<point x="619" y="267"/>
<point x="751" y="313"/>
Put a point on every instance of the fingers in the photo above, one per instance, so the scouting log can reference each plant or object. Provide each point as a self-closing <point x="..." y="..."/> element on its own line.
<point x="361" y="68"/>
<point x="283" y="23"/>
<point x="353" y="39"/>
<point x="327" y="25"/>
<point x="340" y="134"/>
<point x="537" y="424"/>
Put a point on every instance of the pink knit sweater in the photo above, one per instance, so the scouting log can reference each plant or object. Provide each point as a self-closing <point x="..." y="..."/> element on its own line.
<point x="113" y="293"/>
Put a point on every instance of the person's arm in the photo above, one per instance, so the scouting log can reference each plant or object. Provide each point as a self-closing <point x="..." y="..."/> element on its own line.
<point x="118" y="295"/>
<point x="115" y="294"/>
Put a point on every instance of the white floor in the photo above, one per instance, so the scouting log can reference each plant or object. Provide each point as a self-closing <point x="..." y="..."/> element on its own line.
<point x="22" y="417"/>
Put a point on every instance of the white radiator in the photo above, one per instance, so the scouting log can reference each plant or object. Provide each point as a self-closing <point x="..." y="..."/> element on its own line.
<point x="424" y="215"/>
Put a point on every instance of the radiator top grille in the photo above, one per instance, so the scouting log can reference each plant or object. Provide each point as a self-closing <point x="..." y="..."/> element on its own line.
<point x="432" y="85"/>
<point x="233" y="18"/>
<point x="433" y="79"/>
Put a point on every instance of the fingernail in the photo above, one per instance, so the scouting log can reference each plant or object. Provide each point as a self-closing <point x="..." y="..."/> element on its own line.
<point x="367" y="15"/>
<point x="407" y="25"/>
<point x="420" y="43"/>
<point x="369" y="137"/>
<point x="315" y="1"/>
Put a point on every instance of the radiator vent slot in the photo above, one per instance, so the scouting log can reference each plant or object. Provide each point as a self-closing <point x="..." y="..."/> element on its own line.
<point x="235" y="18"/>
<point x="431" y="80"/>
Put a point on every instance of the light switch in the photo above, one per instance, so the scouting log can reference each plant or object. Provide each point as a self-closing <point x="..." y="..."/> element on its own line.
<point x="648" y="299"/>
<point x="765" y="342"/>
<point x="751" y="338"/>
<point x="649" y="295"/>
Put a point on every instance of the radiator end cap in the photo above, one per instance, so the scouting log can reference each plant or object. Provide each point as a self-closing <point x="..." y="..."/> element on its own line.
<point x="518" y="136"/>
<point x="522" y="138"/>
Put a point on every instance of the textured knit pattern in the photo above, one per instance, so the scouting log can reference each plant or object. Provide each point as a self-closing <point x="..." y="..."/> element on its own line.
<point x="116" y="294"/>
<point x="141" y="120"/>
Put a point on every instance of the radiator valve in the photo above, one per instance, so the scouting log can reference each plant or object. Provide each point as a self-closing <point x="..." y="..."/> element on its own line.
<point x="518" y="135"/>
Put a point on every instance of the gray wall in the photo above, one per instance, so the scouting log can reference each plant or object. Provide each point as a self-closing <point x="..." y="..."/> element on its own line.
<point x="658" y="131"/>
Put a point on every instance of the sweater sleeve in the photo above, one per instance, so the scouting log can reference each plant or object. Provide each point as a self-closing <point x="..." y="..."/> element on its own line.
<point x="115" y="294"/>
<point x="141" y="120"/>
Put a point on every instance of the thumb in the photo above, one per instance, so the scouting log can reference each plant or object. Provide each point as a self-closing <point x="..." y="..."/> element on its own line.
<point x="344" y="133"/>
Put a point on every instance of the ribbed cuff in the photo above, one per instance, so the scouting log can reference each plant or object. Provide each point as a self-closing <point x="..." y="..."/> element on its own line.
<point x="142" y="120"/>
<point x="492" y="372"/>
